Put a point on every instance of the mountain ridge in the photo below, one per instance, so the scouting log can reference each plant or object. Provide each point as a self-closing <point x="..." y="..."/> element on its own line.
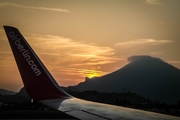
<point x="145" y="75"/>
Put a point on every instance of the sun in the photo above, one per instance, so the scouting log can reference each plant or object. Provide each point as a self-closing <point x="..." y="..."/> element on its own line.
<point x="93" y="75"/>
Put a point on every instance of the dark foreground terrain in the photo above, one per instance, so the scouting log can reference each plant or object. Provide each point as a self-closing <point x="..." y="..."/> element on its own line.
<point x="20" y="107"/>
<point x="34" y="114"/>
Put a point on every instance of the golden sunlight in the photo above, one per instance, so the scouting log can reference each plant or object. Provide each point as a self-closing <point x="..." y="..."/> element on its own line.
<point x="93" y="75"/>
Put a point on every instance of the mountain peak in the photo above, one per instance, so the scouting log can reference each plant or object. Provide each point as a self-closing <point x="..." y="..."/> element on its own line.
<point x="148" y="76"/>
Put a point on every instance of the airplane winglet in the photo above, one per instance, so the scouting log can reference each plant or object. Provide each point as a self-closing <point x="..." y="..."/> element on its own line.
<point x="38" y="82"/>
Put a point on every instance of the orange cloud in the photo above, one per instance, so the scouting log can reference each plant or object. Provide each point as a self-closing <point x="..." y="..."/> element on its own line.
<point x="70" y="58"/>
<point x="71" y="52"/>
<point x="10" y="4"/>
<point x="142" y="42"/>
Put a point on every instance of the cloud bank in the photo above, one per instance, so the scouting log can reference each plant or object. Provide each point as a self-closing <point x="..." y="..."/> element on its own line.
<point x="10" y="4"/>
<point x="71" y="50"/>
<point x="142" y="42"/>
<point x="72" y="57"/>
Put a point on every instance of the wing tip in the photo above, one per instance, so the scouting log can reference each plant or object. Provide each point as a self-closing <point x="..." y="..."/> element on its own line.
<point x="7" y="26"/>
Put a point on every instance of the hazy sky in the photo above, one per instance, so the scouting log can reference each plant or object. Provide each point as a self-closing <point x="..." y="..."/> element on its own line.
<point x="79" y="38"/>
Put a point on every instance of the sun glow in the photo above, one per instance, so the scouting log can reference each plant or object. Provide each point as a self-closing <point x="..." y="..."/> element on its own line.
<point x="93" y="75"/>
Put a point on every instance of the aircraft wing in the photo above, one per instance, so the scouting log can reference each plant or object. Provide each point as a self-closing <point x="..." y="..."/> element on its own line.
<point x="42" y="87"/>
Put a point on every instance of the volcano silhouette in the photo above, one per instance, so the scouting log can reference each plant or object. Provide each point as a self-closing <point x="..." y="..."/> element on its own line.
<point x="145" y="75"/>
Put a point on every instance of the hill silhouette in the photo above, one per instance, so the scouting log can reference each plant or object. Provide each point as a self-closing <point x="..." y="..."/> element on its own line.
<point x="6" y="92"/>
<point x="22" y="92"/>
<point x="145" y="75"/>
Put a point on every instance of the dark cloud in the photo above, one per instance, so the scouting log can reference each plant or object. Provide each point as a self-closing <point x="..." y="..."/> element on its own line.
<point x="141" y="57"/>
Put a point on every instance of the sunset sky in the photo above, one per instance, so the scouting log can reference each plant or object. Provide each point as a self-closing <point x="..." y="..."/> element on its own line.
<point x="79" y="38"/>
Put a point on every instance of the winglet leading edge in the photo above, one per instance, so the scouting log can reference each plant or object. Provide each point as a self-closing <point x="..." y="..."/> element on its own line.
<point x="38" y="82"/>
